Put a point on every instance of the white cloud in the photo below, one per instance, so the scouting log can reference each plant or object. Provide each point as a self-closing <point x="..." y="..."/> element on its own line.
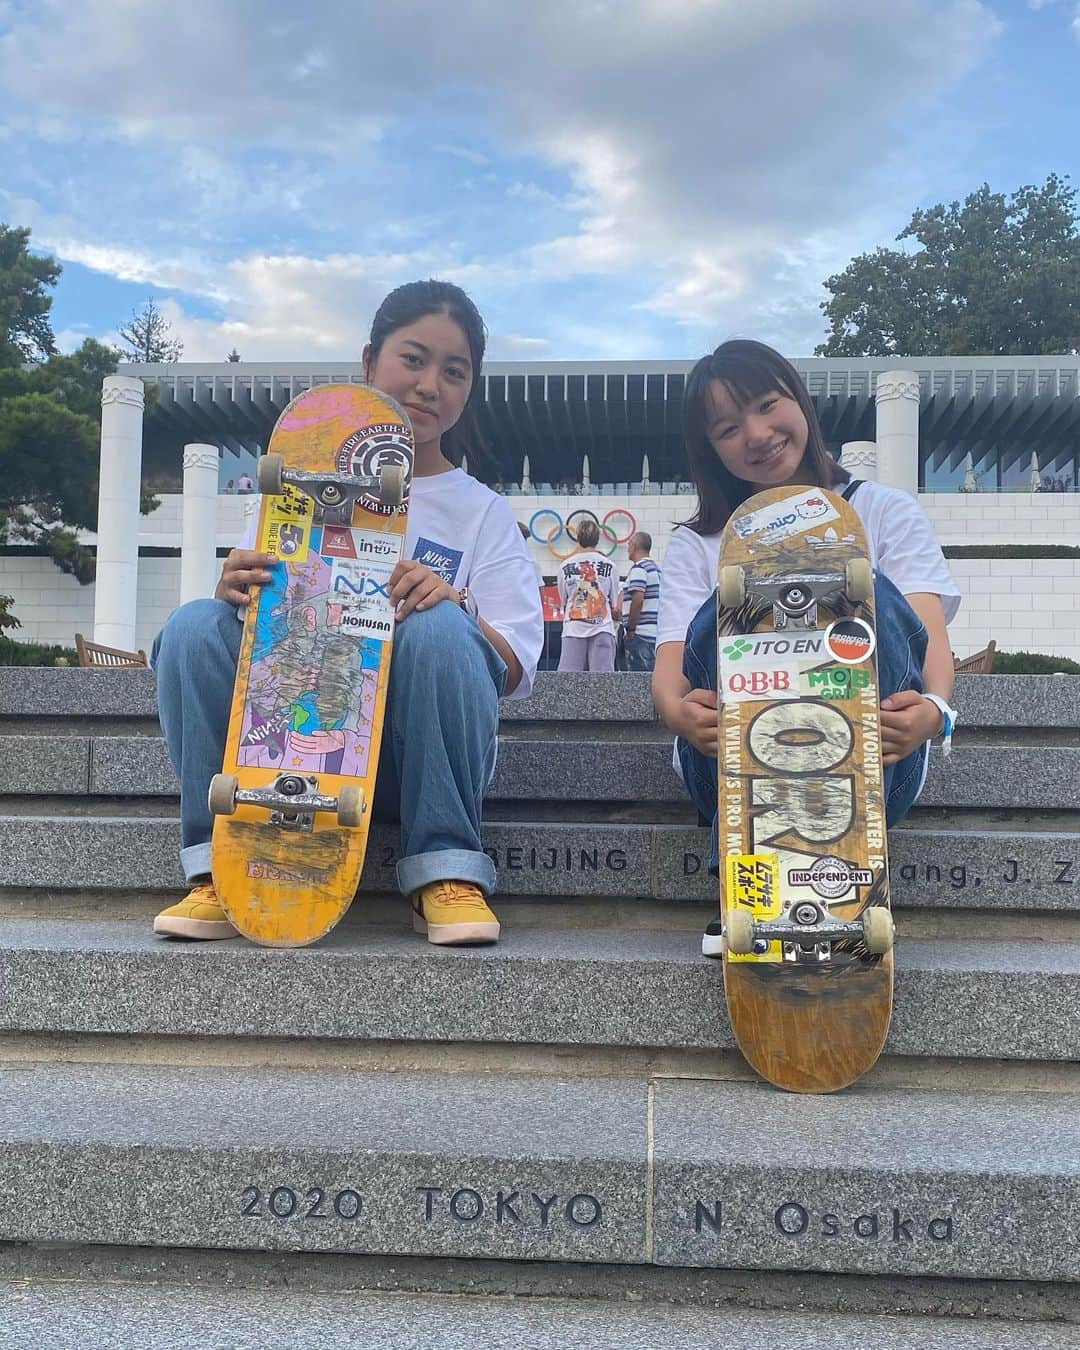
<point x="704" y="141"/>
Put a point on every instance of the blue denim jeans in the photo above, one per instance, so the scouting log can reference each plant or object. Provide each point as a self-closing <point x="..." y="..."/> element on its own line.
<point x="439" y="736"/>
<point x="640" y="652"/>
<point x="901" y="651"/>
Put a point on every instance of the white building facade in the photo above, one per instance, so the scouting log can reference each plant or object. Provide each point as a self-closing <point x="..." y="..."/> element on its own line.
<point x="604" y="438"/>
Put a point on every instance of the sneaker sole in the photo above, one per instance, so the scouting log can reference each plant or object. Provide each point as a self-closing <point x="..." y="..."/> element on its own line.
<point x="206" y="930"/>
<point x="456" y="934"/>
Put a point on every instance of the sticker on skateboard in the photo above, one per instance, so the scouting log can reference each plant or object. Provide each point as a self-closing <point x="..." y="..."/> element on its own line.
<point x="807" y="930"/>
<point x="292" y="803"/>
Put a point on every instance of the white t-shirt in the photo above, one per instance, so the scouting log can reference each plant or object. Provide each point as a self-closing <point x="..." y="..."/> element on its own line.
<point x="588" y="592"/>
<point x="902" y="545"/>
<point x="466" y="534"/>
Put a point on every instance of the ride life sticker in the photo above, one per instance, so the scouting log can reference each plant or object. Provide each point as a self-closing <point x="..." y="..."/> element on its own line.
<point x="784" y="518"/>
<point x="753" y="884"/>
<point x="286" y="525"/>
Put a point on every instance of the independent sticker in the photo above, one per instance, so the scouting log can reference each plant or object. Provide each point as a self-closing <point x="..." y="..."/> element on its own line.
<point x="830" y="877"/>
<point x="850" y="641"/>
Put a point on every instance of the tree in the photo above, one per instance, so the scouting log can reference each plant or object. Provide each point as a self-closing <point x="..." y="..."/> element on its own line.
<point x="25" y="332"/>
<point x="147" y="336"/>
<point x="994" y="275"/>
<point x="233" y="357"/>
<point x="50" y="417"/>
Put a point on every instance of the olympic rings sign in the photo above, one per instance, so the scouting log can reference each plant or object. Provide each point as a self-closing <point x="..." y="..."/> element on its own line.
<point x="553" y="528"/>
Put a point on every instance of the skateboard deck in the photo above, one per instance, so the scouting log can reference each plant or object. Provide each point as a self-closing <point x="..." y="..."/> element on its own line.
<point x="804" y="881"/>
<point x="292" y="805"/>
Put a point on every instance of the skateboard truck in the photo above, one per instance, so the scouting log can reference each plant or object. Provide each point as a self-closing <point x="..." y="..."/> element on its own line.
<point x="334" y="494"/>
<point x="292" y="800"/>
<point x="807" y="931"/>
<point x="795" y="596"/>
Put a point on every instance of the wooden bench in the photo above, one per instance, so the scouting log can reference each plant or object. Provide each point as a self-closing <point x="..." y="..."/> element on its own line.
<point x="982" y="663"/>
<point x="93" y="656"/>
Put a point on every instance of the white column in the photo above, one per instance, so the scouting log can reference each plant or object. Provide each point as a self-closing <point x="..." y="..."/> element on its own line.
<point x="860" y="459"/>
<point x="118" y="511"/>
<point x="897" y="399"/>
<point x="198" y="555"/>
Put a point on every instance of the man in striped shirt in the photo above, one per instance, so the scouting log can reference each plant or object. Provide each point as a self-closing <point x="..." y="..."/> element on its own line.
<point x="641" y="602"/>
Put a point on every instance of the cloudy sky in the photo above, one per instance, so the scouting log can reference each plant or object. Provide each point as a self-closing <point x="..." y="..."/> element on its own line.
<point x="608" y="178"/>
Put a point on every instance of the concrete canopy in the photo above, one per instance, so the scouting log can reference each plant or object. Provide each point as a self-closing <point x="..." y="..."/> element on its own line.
<point x="619" y="411"/>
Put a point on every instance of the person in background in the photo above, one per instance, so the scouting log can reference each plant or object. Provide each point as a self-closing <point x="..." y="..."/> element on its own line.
<point x="641" y="604"/>
<point x="589" y="593"/>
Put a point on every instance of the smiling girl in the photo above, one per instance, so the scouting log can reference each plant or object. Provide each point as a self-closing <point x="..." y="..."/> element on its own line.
<point x="748" y="425"/>
<point x="470" y="629"/>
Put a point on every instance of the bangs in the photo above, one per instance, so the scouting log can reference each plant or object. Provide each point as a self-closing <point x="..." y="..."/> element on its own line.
<point x="748" y="376"/>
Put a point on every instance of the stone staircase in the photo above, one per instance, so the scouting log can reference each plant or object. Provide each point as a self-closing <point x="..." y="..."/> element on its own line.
<point x="562" y="1116"/>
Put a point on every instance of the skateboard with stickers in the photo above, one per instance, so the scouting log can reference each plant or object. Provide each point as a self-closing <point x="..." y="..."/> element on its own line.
<point x="804" y="883"/>
<point x="292" y="804"/>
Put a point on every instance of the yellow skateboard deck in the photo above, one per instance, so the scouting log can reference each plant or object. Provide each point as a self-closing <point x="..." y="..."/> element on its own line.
<point x="292" y="805"/>
<point x="804" y="873"/>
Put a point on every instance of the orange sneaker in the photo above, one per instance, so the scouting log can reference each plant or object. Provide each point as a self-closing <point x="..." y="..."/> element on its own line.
<point x="454" y="914"/>
<point x="198" y="915"/>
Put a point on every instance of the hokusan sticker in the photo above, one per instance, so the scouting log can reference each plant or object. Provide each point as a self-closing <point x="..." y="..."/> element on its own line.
<point x="850" y="641"/>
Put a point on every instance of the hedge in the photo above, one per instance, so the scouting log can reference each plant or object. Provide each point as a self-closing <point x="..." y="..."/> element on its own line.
<point x="34" y="654"/>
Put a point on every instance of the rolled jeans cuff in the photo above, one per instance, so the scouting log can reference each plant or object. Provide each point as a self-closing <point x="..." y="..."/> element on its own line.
<point x="195" y="860"/>
<point x="448" y="864"/>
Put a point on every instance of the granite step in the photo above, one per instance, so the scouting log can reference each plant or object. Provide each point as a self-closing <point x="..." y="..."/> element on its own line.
<point x="1001" y="869"/>
<point x="1042" y="777"/>
<point x="1015" y="702"/>
<point x="39" y="1313"/>
<point x="37" y="691"/>
<point x="982" y="999"/>
<point x="637" y="1171"/>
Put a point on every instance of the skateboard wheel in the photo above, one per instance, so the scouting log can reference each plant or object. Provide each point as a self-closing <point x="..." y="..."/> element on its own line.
<point x="732" y="586"/>
<point x="878" y="929"/>
<point x="391" y="485"/>
<point x="270" y="467"/>
<point x="350" y="805"/>
<point x="858" y="579"/>
<point x="223" y="794"/>
<point x="739" y="932"/>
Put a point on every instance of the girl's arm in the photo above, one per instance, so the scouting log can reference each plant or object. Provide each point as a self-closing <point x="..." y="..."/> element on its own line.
<point x="908" y="719"/>
<point x="689" y="713"/>
<point x="513" y="665"/>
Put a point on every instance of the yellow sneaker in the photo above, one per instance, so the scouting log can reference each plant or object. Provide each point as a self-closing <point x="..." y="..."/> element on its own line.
<point x="198" y="915"/>
<point x="454" y="913"/>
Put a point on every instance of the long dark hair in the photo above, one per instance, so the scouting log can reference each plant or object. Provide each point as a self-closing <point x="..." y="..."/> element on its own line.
<point x="415" y="300"/>
<point x="748" y="369"/>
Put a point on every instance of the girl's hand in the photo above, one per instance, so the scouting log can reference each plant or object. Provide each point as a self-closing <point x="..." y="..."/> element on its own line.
<point x="907" y="719"/>
<point x="414" y="586"/>
<point x="697" y="719"/>
<point x="243" y="567"/>
<point x="317" y="742"/>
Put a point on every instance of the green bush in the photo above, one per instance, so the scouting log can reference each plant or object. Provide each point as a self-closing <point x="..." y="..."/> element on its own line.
<point x="1033" y="663"/>
<point x="34" y="654"/>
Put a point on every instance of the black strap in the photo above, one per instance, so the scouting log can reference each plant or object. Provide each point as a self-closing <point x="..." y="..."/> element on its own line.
<point x="849" y="491"/>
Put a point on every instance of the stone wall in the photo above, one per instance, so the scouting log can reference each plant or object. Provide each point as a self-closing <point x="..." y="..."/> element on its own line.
<point x="1025" y="604"/>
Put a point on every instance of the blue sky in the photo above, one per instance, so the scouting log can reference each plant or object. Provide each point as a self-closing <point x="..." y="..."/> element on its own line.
<point x="608" y="178"/>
